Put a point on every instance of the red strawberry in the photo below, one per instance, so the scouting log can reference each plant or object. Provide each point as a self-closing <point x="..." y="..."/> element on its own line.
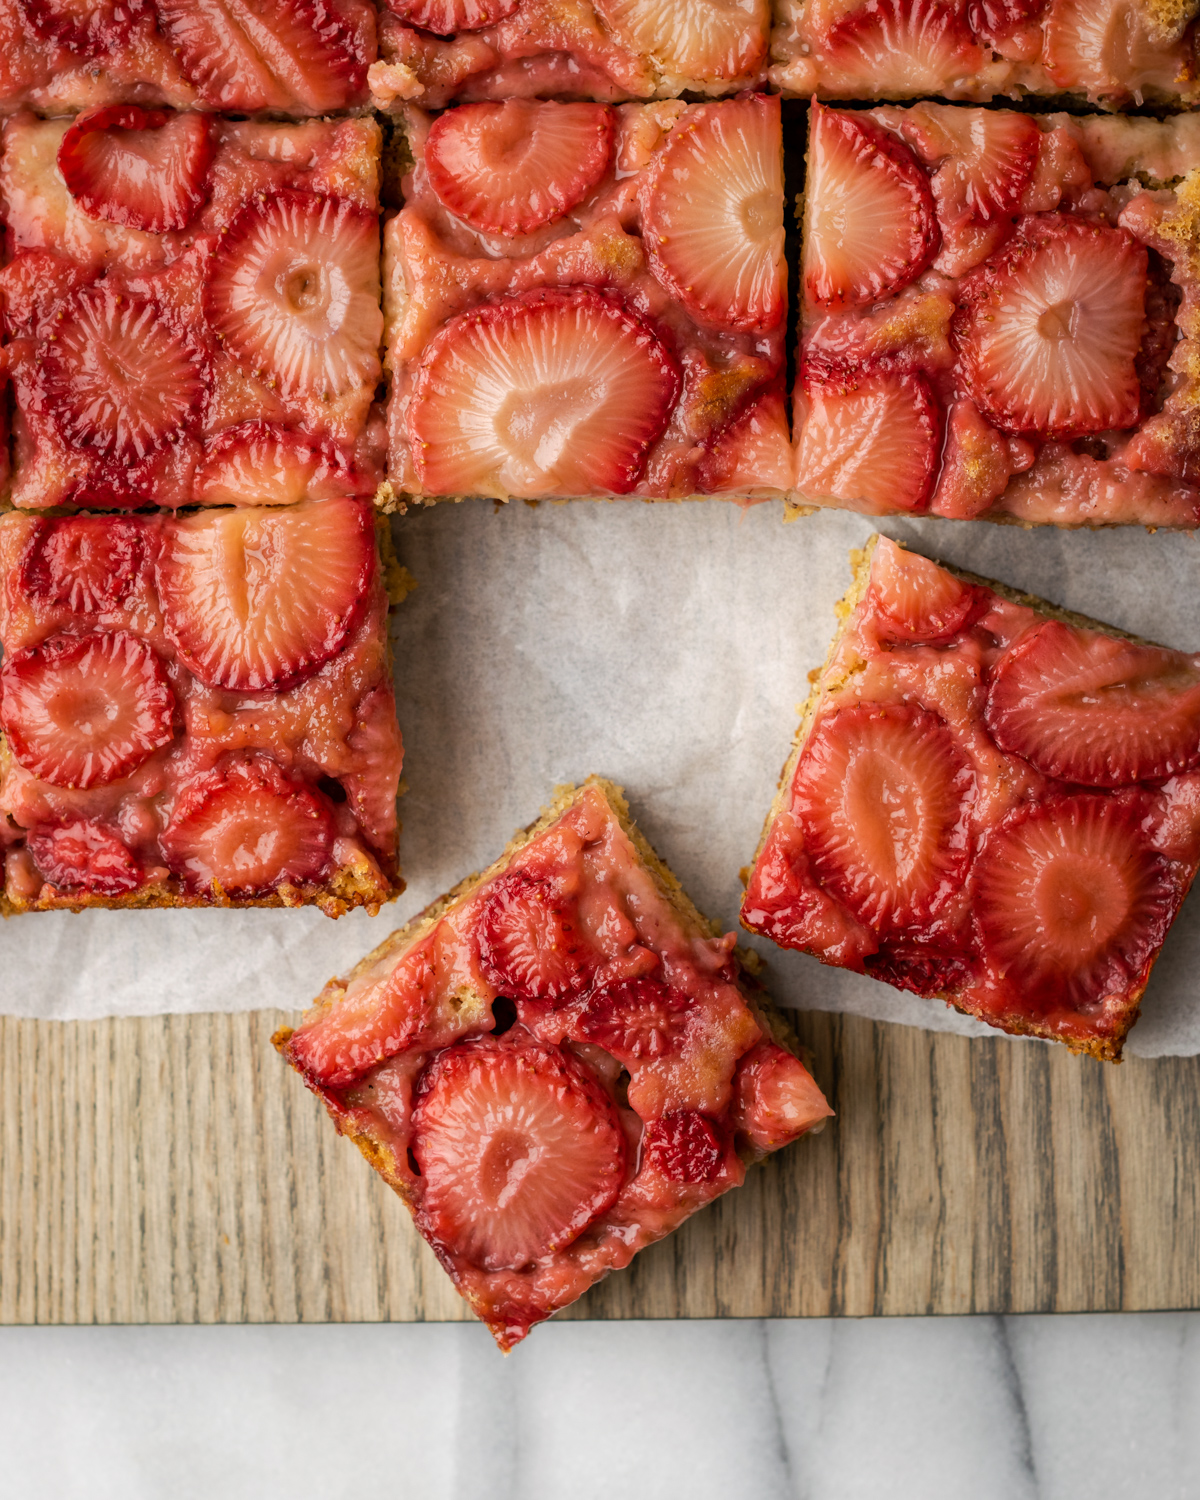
<point x="685" y="1146"/>
<point x="117" y="379"/>
<point x="899" y="48"/>
<point x="1048" y="330"/>
<point x="376" y="757"/>
<point x="258" y="598"/>
<point x="883" y="794"/>
<point x="271" y="465"/>
<point x="993" y="156"/>
<point x="87" y="563"/>
<point x="553" y="392"/>
<point x="712" y="222"/>
<point x="929" y="969"/>
<point x="83" y="855"/>
<point x="92" y="29"/>
<point x="915" y="600"/>
<point x="1108" y="48"/>
<point x="245" y="829"/>
<point x="869" y="222"/>
<point x="636" y="1019"/>
<point x="445" y="17"/>
<point x="509" y="168"/>
<point x="873" y="446"/>
<point x="775" y="1097"/>
<point x="146" y="169"/>
<point x="995" y="19"/>
<point x="700" y="39"/>
<point x="519" y="1150"/>
<point x="293" y="293"/>
<point x="84" y="710"/>
<point x="1071" y="904"/>
<point x="1093" y="709"/>
<point x="977" y="463"/>
<point x="529" y="945"/>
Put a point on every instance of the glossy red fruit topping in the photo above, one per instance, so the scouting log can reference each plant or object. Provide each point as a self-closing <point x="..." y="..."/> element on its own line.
<point x="883" y="794"/>
<point x="86" y="563"/>
<point x="928" y="969"/>
<point x="146" y="169"/>
<point x="915" y="600"/>
<point x="636" y="1019"/>
<point x="445" y="17"/>
<point x="510" y="168"/>
<point x="1071" y="904"/>
<point x="519" y="1150"/>
<point x="84" y="710"/>
<point x="245" y="828"/>
<point x="993" y="157"/>
<point x="530" y="946"/>
<point x="712" y="222"/>
<point x="873" y="443"/>
<point x="870" y="227"/>
<point x="92" y="29"/>
<point x="775" y="1098"/>
<point x="977" y="463"/>
<point x="1048" y="330"/>
<point x="685" y="1146"/>
<point x="83" y="855"/>
<point x="698" y="39"/>
<point x="373" y="783"/>
<point x="999" y="18"/>
<point x="1109" y="47"/>
<point x="118" y="380"/>
<point x="259" y="598"/>
<point x="271" y="465"/>
<point x="293" y="293"/>
<point x="553" y="392"/>
<point x="1093" y="709"/>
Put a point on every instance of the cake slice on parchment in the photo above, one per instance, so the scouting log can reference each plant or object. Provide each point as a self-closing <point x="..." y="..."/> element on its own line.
<point x="990" y="801"/>
<point x="556" y="1064"/>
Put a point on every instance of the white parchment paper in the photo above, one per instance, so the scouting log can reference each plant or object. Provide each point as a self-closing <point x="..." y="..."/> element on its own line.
<point x="665" y="646"/>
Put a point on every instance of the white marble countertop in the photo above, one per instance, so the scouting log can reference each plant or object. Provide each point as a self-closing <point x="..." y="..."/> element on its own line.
<point x="1101" y="1407"/>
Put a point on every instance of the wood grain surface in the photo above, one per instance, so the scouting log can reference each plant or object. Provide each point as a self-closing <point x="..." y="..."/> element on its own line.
<point x="172" y="1170"/>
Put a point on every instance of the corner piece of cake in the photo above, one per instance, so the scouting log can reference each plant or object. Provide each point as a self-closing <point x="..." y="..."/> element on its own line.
<point x="556" y="1064"/>
<point x="197" y="710"/>
<point x="1116" y="52"/>
<point x="1000" y="316"/>
<point x="991" y="802"/>
<point x="584" y="301"/>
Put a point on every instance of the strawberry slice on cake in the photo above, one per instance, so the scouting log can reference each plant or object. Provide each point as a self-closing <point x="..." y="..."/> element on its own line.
<point x="990" y="802"/>
<point x="555" y="1065"/>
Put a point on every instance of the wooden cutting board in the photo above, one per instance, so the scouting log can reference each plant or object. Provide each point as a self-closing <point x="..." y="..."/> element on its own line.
<point x="171" y="1170"/>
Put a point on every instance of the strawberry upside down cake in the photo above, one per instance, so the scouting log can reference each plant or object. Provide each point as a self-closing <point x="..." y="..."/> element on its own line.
<point x="990" y="801"/>
<point x="191" y="308"/>
<point x="197" y="710"/>
<point x="1000" y="316"/>
<point x="555" y="1065"/>
<point x="584" y="300"/>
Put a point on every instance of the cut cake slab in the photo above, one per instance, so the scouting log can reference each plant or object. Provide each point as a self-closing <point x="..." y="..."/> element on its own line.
<point x="1000" y="316"/>
<point x="435" y="51"/>
<point x="990" y="801"/>
<point x="585" y="300"/>
<point x="1116" y="52"/>
<point x="191" y="308"/>
<point x="197" y="711"/>
<point x="555" y="1065"/>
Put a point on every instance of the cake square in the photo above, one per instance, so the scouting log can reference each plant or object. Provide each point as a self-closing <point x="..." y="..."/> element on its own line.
<point x="198" y="710"/>
<point x="999" y="316"/>
<point x="433" y="52"/>
<point x="191" y="308"/>
<point x="1116" y="52"/>
<point x="990" y="801"/>
<point x="241" y="56"/>
<point x="556" y="1064"/>
<point x="584" y="300"/>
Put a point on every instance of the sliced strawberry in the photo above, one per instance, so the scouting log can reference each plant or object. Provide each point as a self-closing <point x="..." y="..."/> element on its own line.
<point x="883" y="794"/>
<point x="873" y="445"/>
<point x="84" y="710"/>
<point x="1163" y="299"/>
<point x="118" y="380"/>
<point x="1048" y="330"/>
<point x="293" y="293"/>
<point x="256" y="599"/>
<point x="376" y="758"/>
<point x="509" y="168"/>
<point x="685" y="1146"/>
<point x="915" y="600"/>
<point x="519" y="1150"/>
<point x="553" y="392"/>
<point x="775" y="1098"/>
<point x="995" y="19"/>
<point x="91" y="29"/>
<point x="700" y="39"/>
<point x="636" y="1019"/>
<point x="445" y="17"/>
<point x="713" y="217"/>
<point x="1093" y="709"/>
<point x="993" y="157"/>
<point x="929" y="969"/>
<point x="1108" y="48"/>
<point x="83" y="855"/>
<point x="245" y="829"/>
<point x="147" y="169"/>
<point x="899" y="48"/>
<point x="530" y="947"/>
<point x="87" y="563"/>
<point x="870" y="226"/>
<point x="270" y="465"/>
<point x="1071" y="904"/>
<point x="977" y="463"/>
